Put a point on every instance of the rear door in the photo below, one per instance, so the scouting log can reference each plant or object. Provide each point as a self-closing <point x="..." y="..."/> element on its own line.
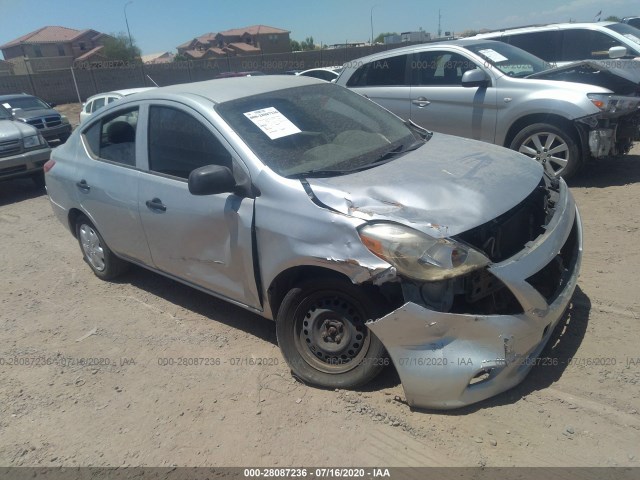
<point x="106" y="181"/>
<point x="439" y="101"/>
<point x="203" y="240"/>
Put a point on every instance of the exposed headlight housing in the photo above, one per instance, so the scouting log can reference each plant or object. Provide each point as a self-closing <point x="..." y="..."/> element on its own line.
<point x="33" y="141"/>
<point x="614" y="103"/>
<point x="419" y="256"/>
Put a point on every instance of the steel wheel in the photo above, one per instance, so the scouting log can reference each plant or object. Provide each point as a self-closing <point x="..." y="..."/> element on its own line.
<point x="91" y="247"/>
<point x="555" y="149"/>
<point x="321" y="331"/>
<point x="331" y="335"/>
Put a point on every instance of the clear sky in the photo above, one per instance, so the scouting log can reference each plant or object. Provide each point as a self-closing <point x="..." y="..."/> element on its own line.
<point x="161" y="25"/>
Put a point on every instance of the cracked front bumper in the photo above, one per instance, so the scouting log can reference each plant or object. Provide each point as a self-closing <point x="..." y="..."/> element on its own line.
<point x="448" y="360"/>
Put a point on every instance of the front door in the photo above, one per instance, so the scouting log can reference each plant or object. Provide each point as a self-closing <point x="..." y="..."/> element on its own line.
<point x="204" y="240"/>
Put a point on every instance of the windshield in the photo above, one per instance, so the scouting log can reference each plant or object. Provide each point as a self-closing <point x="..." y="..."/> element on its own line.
<point x="318" y="130"/>
<point x="510" y="60"/>
<point x="5" y="114"/>
<point x="630" y="33"/>
<point x="25" y="103"/>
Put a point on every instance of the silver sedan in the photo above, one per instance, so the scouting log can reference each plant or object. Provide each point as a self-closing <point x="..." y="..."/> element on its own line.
<point x="369" y="240"/>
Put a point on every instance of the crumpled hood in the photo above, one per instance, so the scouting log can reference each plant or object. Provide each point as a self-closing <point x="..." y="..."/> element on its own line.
<point x="447" y="186"/>
<point x="11" y="130"/>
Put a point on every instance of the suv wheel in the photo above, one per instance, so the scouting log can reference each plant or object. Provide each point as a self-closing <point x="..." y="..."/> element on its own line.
<point x="555" y="149"/>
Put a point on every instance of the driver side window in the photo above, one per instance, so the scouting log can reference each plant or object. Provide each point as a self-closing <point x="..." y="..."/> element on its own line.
<point x="179" y="143"/>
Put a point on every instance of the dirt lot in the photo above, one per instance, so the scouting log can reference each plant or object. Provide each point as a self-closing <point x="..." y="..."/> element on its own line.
<point x="233" y="412"/>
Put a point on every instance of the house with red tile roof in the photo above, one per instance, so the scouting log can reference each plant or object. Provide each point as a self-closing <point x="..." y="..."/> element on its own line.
<point x="53" y="48"/>
<point x="253" y="40"/>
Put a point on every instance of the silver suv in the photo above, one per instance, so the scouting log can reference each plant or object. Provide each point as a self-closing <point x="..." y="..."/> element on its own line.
<point x="569" y="42"/>
<point x="23" y="151"/>
<point x="500" y="94"/>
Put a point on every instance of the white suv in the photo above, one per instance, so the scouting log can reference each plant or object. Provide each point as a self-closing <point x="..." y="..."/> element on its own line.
<point x="567" y="42"/>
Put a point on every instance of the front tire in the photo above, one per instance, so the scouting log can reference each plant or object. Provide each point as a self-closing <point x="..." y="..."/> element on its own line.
<point x="321" y="331"/>
<point x="556" y="149"/>
<point x="95" y="251"/>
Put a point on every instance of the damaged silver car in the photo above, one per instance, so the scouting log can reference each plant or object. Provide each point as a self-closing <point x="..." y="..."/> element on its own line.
<point x="365" y="237"/>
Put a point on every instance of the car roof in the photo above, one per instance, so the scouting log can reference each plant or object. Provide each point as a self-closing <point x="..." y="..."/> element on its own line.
<point x="544" y="26"/>
<point x="11" y="96"/>
<point x="464" y="42"/>
<point x="124" y="92"/>
<point x="227" y="89"/>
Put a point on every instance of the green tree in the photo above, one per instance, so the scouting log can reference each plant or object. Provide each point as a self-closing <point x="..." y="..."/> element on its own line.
<point x="295" y="46"/>
<point x="380" y="38"/>
<point x="118" y="47"/>
<point x="307" y="44"/>
<point x="612" y="18"/>
<point x="180" y="58"/>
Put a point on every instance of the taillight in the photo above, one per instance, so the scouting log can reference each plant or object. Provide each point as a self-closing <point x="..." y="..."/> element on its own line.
<point x="49" y="165"/>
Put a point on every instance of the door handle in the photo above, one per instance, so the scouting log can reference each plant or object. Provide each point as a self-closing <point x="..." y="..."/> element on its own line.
<point x="421" y="102"/>
<point x="156" y="205"/>
<point x="83" y="185"/>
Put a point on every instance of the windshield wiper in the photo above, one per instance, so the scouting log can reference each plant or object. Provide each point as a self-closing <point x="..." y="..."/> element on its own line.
<point x="423" y="132"/>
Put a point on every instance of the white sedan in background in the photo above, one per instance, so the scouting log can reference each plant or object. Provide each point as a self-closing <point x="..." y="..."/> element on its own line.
<point x="101" y="99"/>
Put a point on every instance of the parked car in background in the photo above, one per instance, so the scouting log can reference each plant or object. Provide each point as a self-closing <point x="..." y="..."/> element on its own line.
<point x="239" y="74"/>
<point x="98" y="101"/>
<point x="498" y="93"/>
<point x="633" y="21"/>
<point x="35" y="111"/>
<point x="328" y="74"/>
<point x="569" y="42"/>
<point x="23" y="150"/>
<point x="357" y="232"/>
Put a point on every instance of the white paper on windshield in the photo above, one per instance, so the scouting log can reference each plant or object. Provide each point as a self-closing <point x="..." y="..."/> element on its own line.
<point x="632" y="37"/>
<point x="273" y="123"/>
<point x="493" y="55"/>
<point x="6" y="105"/>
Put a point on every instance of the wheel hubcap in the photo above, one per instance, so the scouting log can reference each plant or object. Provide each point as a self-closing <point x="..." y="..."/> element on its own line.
<point x="331" y="335"/>
<point x="549" y="149"/>
<point x="91" y="247"/>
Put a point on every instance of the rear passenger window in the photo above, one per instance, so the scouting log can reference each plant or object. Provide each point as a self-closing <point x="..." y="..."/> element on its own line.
<point x="97" y="103"/>
<point x="113" y="138"/>
<point x="179" y="143"/>
<point x="386" y="72"/>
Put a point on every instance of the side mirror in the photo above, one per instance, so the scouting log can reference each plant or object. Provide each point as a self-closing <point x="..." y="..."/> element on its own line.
<point x="617" y="52"/>
<point x="475" y="78"/>
<point x="210" y="180"/>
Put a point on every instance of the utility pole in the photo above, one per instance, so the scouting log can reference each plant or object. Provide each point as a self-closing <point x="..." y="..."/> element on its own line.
<point x="439" y="29"/>
<point x="126" y="20"/>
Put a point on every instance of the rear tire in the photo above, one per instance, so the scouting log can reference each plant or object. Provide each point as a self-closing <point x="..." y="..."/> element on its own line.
<point x="557" y="150"/>
<point x="321" y="331"/>
<point x="104" y="263"/>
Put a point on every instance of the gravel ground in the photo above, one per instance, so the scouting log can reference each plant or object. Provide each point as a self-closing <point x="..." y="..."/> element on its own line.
<point x="126" y="408"/>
